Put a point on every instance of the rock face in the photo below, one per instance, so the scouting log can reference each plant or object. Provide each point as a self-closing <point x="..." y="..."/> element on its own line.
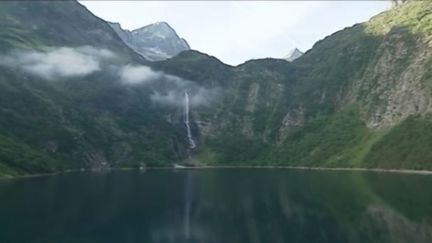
<point x="293" y="55"/>
<point x="155" y="42"/>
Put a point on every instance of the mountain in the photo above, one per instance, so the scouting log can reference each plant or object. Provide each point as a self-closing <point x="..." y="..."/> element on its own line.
<point x="73" y="95"/>
<point x="155" y="42"/>
<point x="293" y="55"/>
<point x="359" y="98"/>
<point x="63" y="105"/>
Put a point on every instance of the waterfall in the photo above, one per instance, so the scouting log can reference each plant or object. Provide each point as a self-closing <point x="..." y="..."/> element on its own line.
<point x="186" y="122"/>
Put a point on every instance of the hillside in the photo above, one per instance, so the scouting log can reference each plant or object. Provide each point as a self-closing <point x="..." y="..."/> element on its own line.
<point x="62" y="104"/>
<point x="360" y="97"/>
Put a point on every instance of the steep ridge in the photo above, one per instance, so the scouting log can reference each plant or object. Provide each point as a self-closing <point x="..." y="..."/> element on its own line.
<point x="383" y="89"/>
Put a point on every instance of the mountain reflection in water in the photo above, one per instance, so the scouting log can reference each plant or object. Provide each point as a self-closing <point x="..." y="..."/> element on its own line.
<point x="220" y="205"/>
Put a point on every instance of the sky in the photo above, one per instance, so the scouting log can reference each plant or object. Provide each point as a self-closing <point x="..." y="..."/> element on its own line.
<point x="237" y="31"/>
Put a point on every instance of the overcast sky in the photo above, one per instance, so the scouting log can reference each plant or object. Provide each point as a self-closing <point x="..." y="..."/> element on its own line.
<point x="238" y="31"/>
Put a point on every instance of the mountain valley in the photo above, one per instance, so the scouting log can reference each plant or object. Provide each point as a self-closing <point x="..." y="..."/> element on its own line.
<point x="359" y="98"/>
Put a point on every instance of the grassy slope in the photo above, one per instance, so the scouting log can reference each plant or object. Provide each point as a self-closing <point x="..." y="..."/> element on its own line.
<point x="407" y="145"/>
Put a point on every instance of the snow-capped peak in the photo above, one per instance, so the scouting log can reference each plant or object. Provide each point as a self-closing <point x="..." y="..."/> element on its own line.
<point x="293" y="55"/>
<point x="155" y="42"/>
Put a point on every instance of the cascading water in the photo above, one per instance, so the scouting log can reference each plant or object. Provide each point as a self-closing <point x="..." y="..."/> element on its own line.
<point x="186" y="122"/>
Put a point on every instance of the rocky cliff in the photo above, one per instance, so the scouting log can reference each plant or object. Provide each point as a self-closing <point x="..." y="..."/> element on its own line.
<point x="155" y="42"/>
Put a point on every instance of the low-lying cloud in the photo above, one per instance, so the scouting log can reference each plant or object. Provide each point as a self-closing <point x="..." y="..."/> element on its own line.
<point x="138" y="74"/>
<point x="175" y="97"/>
<point x="168" y="90"/>
<point x="51" y="63"/>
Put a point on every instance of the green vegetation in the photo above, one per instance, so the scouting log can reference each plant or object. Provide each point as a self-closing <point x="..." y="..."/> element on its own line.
<point x="238" y="150"/>
<point x="323" y="141"/>
<point x="407" y="145"/>
<point x="358" y="98"/>
<point x="70" y="123"/>
<point x="414" y="16"/>
<point x="18" y="158"/>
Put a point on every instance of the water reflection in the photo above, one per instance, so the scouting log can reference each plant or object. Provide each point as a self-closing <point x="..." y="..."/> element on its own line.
<point x="218" y="206"/>
<point x="188" y="202"/>
<point x="181" y="231"/>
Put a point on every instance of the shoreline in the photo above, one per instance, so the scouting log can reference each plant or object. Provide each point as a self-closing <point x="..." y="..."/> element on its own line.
<point x="401" y="171"/>
<point x="206" y="167"/>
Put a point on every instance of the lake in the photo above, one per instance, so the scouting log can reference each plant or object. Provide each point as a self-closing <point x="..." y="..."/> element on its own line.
<point x="217" y="205"/>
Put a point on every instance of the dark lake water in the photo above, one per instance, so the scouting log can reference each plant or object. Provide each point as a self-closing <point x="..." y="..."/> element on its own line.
<point x="220" y="206"/>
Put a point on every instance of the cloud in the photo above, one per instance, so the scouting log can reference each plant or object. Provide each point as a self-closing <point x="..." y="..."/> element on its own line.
<point x="167" y="90"/>
<point x="198" y="96"/>
<point x="203" y="96"/>
<point x="171" y="98"/>
<point x="63" y="62"/>
<point x="51" y="63"/>
<point x="138" y="74"/>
